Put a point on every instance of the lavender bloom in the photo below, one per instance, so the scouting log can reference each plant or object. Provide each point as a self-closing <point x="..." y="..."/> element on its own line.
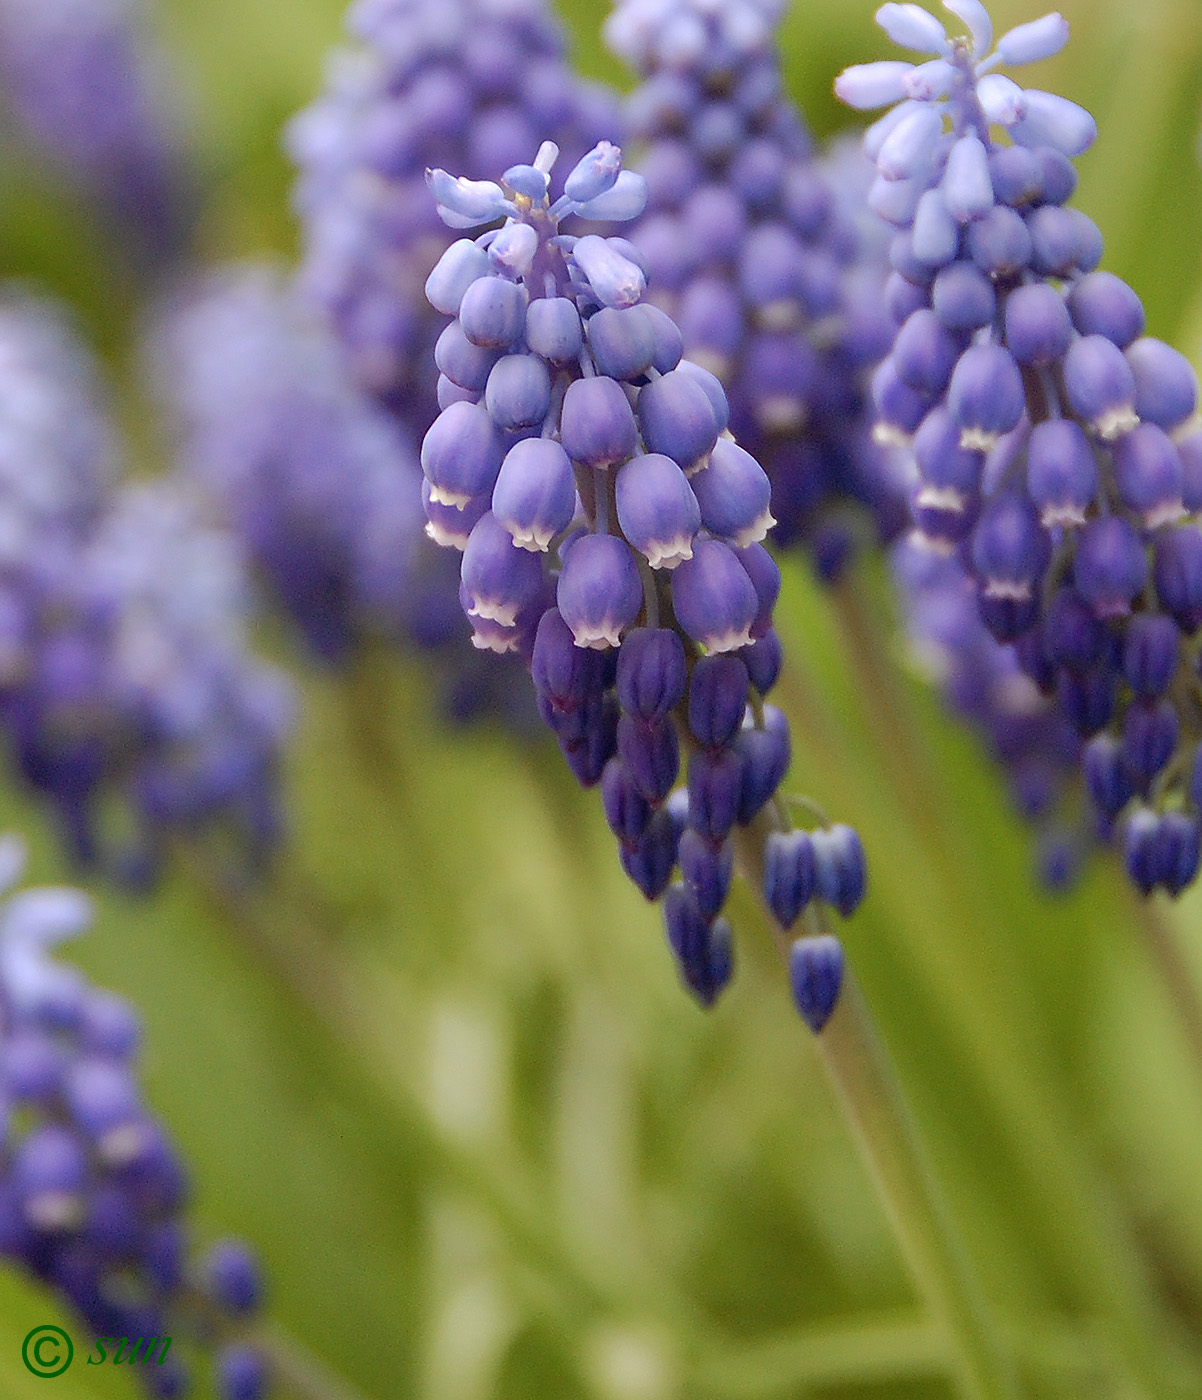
<point x="84" y="84"/>
<point x="756" y="250"/>
<point x="93" y="1194"/>
<point x="469" y="84"/>
<point x="616" y="545"/>
<point x="1051" y="437"/>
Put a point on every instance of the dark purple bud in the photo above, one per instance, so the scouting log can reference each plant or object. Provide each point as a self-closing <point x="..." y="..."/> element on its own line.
<point x="553" y="330"/>
<point x="1143" y="853"/>
<point x="1087" y="700"/>
<point x="718" y="690"/>
<point x="999" y="242"/>
<point x="705" y="870"/>
<point x="925" y="352"/>
<point x="518" y="392"/>
<point x="1181" y="849"/>
<point x="764" y="659"/>
<point x="650" y="861"/>
<point x="461" y="264"/>
<point x="242" y="1373"/>
<point x="561" y="670"/>
<point x="492" y="312"/>
<point x="1038" y="328"/>
<point x="587" y="757"/>
<point x="1062" y="472"/>
<point x="1150" y="650"/>
<point x="461" y="454"/>
<point x="734" y="493"/>
<point x="1166" y="387"/>
<point x="986" y="396"/>
<point x="840" y="871"/>
<point x="1189" y="448"/>
<point x="715" y="783"/>
<point x="764" y="574"/>
<point x="1110" y="566"/>
<point x="1150" y="732"/>
<point x="766" y="753"/>
<point x="676" y="418"/>
<point x="232" y="1278"/>
<point x="1177" y="572"/>
<point x="788" y="874"/>
<point x="702" y="949"/>
<point x="599" y="593"/>
<point x="815" y="978"/>
<point x="626" y="809"/>
<point x="535" y="493"/>
<point x="1106" y="777"/>
<point x="1010" y="549"/>
<point x="499" y="579"/>
<point x="657" y="509"/>
<point x="963" y="298"/>
<point x="1147" y="473"/>
<point x="596" y="425"/>
<point x="651" y="675"/>
<point x="714" y="599"/>
<point x="1100" y="386"/>
<point x="651" y="753"/>
<point x="1103" y="304"/>
<point x="1073" y="636"/>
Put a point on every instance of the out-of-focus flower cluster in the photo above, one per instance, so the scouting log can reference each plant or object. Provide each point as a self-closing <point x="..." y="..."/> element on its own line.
<point x="93" y="1193"/>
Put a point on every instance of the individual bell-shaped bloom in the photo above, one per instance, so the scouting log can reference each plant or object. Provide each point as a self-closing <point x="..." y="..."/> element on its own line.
<point x="713" y="597"/>
<point x="535" y="492"/>
<point x="677" y="418"/>
<point x="816" y="978"/>
<point x="597" y="425"/>
<point x="986" y="396"/>
<point x="500" y="579"/>
<point x="840" y="871"/>
<point x="652" y="674"/>
<point x="1110" y="566"/>
<point x="1177" y="572"/>
<point x="1100" y="386"/>
<point x="1148" y="475"/>
<point x="461" y="454"/>
<point x="1062" y="472"/>
<point x="599" y="593"/>
<point x="657" y="509"/>
<point x="789" y="874"/>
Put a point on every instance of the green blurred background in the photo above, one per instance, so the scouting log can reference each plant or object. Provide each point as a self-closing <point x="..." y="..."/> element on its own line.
<point x="439" y="1070"/>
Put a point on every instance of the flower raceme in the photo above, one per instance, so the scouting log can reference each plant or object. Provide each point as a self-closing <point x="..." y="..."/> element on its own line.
<point x="1058" y="448"/>
<point x="611" y="532"/>
<point x="92" y="1190"/>
<point x="752" y="253"/>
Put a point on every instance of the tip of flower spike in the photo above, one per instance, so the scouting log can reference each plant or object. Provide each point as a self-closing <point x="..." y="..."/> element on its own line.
<point x="815" y="978"/>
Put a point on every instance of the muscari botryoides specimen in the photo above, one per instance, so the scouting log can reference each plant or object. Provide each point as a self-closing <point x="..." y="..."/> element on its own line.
<point x="611" y="531"/>
<point x="1058" y="447"/>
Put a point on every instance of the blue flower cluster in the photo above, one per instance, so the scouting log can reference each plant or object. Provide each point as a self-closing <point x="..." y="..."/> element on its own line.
<point x="92" y="1190"/>
<point x="611" y="531"/>
<point x="750" y="250"/>
<point x="466" y="84"/>
<point x="128" y="695"/>
<point x="86" y="86"/>
<point x="1058" y="448"/>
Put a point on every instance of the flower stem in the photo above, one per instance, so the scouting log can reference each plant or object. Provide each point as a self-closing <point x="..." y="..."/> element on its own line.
<point x="298" y="1371"/>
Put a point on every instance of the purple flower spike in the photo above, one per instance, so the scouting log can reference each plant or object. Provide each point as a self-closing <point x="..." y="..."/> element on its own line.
<point x="816" y="977"/>
<point x="600" y="593"/>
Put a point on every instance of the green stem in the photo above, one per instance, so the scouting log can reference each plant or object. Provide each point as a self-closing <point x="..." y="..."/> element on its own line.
<point x="858" y="1066"/>
<point x="297" y="1370"/>
<point x="870" y="1096"/>
<point x="1176" y="976"/>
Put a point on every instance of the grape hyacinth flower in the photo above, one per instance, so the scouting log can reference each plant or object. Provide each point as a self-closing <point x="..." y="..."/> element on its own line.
<point x="93" y="1193"/>
<point x="86" y="87"/>
<point x="750" y="248"/>
<point x="617" y="546"/>
<point x="1057" y="445"/>
<point x="320" y="483"/>
<point x="461" y="84"/>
